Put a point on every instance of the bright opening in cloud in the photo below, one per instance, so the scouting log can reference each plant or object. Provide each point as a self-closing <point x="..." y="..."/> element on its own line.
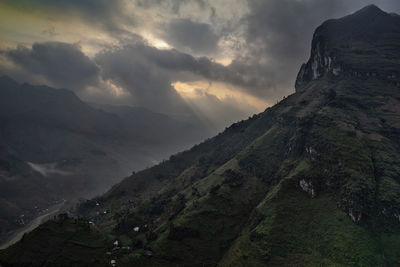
<point x="193" y="90"/>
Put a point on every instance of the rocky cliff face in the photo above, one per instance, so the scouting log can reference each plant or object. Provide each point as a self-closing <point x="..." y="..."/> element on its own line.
<point x="364" y="44"/>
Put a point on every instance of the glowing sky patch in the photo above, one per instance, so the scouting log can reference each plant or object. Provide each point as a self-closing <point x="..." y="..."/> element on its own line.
<point x="193" y="90"/>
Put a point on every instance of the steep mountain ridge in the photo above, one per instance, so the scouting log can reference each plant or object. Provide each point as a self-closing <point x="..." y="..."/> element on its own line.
<point x="311" y="181"/>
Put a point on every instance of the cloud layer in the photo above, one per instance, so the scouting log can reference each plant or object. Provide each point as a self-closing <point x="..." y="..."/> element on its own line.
<point x="242" y="52"/>
<point x="61" y="64"/>
<point x="184" y="34"/>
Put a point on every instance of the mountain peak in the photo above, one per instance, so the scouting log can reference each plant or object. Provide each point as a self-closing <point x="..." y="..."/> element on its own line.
<point x="368" y="10"/>
<point x="355" y="45"/>
<point x="7" y="79"/>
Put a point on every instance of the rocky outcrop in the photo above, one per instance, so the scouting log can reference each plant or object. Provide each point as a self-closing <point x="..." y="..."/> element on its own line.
<point x="307" y="186"/>
<point x="322" y="62"/>
<point x="355" y="216"/>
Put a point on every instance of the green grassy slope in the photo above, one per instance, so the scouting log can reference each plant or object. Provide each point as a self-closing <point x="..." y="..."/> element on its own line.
<point x="60" y="242"/>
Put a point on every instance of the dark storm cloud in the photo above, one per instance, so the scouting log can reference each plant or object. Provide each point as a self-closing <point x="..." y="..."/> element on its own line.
<point x="147" y="73"/>
<point x="62" y="64"/>
<point x="110" y="15"/>
<point x="172" y="5"/>
<point x="198" y="37"/>
<point x="134" y="68"/>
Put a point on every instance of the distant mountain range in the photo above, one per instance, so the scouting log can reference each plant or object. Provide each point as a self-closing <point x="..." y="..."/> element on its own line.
<point x="311" y="181"/>
<point x="55" y="146"/>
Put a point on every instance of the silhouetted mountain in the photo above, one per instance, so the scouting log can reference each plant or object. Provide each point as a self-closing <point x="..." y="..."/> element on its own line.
<point x="149" y="128"/>
<point x="312" y="181"/>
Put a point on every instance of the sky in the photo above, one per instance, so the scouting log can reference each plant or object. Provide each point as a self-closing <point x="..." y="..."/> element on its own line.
<point x="219" y="60"/>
